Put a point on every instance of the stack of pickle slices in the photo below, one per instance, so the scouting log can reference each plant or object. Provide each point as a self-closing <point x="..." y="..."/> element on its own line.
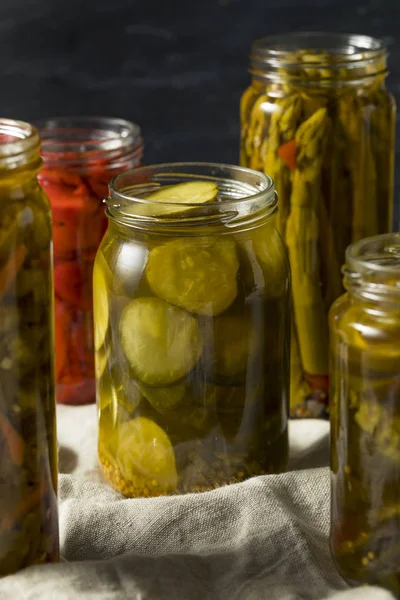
<point x="182" y="360"/>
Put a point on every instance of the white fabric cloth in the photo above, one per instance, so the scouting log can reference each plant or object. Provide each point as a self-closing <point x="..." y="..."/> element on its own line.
<point x="266" y="538"/>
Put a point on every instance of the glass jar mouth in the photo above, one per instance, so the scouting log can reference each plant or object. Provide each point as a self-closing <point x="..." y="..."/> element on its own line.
<point x="243" y="195"/>
<point x="19" y="144"/>
<point x="75" y="140"/>
<point x="318" y="57"/>
<point x="374" y="264"/>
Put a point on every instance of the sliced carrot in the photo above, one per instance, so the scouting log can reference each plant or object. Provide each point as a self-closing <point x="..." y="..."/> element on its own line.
<point x="14" y="441"/>
<point x="11" y="268"/>
<point x="287" y="153"/>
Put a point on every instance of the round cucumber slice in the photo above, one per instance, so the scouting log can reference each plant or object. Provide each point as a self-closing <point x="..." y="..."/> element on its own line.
<point x="144" y="451"/>
<point x="234" y="343"/>
<point x="198" y="275"/>
<point x="170" y="200"/>
<point x="100" y="358"/>
<point x="117" y="403"/>
<point x="100" y="303"/>
<point x="165" y="398"/>
<point x="161" y="342"/>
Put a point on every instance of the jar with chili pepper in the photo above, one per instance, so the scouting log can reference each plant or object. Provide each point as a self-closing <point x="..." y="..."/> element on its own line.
<point x="80" y="157"/>
<point x="28" y="443"/>
<point x="318" y="119"/>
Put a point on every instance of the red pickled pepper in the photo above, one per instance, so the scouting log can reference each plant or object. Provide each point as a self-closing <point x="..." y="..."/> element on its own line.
<point x="81" y="155"/>
<point x="79" y="223"/>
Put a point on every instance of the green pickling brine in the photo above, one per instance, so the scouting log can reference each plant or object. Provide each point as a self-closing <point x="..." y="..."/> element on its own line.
<point x="192" y="330"/>
<point x="365" y="415"/>
<point x="318" y="120"/>
<point x="28" y="442"/>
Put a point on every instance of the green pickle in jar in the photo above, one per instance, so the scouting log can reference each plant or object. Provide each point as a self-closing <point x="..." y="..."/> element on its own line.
<point x="191" y="308"/>
<point x="365" y="415"/>
<point x="28" y="445"/>
<point x="318" y="119"/>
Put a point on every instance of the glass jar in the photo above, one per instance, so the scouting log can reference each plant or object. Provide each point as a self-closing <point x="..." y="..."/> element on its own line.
<point x="80" y="156"/>
<point x="191" y="310"/>
<point x="318" y="120"/>
<point x="365" y="415"/>
<point x="28" y="446"/>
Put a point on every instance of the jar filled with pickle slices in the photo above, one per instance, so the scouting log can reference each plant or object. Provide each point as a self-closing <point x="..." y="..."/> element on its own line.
<point x="80" y="157"/>
<point x="365" y="415"/>
<point x="192" y="329"/>
<point x="28" y="446"/>
<point x="318" y="120"/>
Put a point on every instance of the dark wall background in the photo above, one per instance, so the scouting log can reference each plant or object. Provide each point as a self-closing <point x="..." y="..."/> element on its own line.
<point x="175" y="67"/>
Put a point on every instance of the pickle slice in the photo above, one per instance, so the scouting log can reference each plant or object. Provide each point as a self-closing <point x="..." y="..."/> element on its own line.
<point x="145" y="454"/>
<point x="171" y="199"/>
<point x="234" y="344"/>
<point x="120" y="400"/>
<point x="100" y="359"/>
<point x="164" y="398"/>
<point x="198" y="275"/>
<point x="100" y="304"/>
<point x="161" y="342"/>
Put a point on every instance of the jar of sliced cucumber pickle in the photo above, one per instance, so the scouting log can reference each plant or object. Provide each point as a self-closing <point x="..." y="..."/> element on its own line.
<point x="318" y="120"/>
<point x="365" y="396"/>
<point x="191" y="309"/>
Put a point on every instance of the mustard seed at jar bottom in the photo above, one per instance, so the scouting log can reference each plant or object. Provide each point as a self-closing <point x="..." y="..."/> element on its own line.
<point x="365" y="415"/>
<point x="191" y="320"/>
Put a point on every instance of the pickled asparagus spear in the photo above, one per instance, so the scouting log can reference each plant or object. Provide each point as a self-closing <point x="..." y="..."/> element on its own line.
<point x="302" y="235"/>
<point x="284" y="121"/>
<point x="299" y="388"/>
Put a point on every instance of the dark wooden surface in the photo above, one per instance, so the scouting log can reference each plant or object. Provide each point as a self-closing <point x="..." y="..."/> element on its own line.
<point x="177" y="68"/>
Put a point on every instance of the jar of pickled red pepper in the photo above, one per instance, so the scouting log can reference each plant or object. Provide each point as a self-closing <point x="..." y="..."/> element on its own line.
<point x="80" y="156"/>
<point x="192" y="326"/>
<point x="28" y="446"/>
<point x="318" y="120"/>
<point x="365" y="415"/>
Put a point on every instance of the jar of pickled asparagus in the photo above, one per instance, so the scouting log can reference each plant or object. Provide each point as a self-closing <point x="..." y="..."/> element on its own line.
<point x="365" y="415"/>
<point x="318" y="119"/>
<point x="192" y="326"/>
<point x="80" y="156"/>
<point x="28" y="450"/>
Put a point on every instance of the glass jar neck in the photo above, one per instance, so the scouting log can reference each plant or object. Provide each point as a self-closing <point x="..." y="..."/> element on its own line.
<point x="95" y="144"/>
<point x="243" y="199"/>
<point x="372" y="270"/>
<point x="319" y="60"/>
<point x="19" y="148"/>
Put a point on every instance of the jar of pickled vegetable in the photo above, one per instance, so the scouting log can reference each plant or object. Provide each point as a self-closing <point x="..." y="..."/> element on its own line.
<point x="80" y="156"/>
<point x="191" y="312"/>
<point x="318" y="119"/>
<point x="365" y="415"/>
<point x="28" y="447"/>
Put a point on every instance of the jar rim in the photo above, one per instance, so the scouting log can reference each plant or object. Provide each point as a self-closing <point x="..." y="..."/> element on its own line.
<point x="373" y="262"/>
<point x="70" y="140"/>
<point x="320" y="51"/>
<point x="246" y="193"/>
<point x="19" y="143"/>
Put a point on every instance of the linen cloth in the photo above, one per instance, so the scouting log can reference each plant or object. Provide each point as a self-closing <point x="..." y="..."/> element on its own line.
<point x="266" y="538"/>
